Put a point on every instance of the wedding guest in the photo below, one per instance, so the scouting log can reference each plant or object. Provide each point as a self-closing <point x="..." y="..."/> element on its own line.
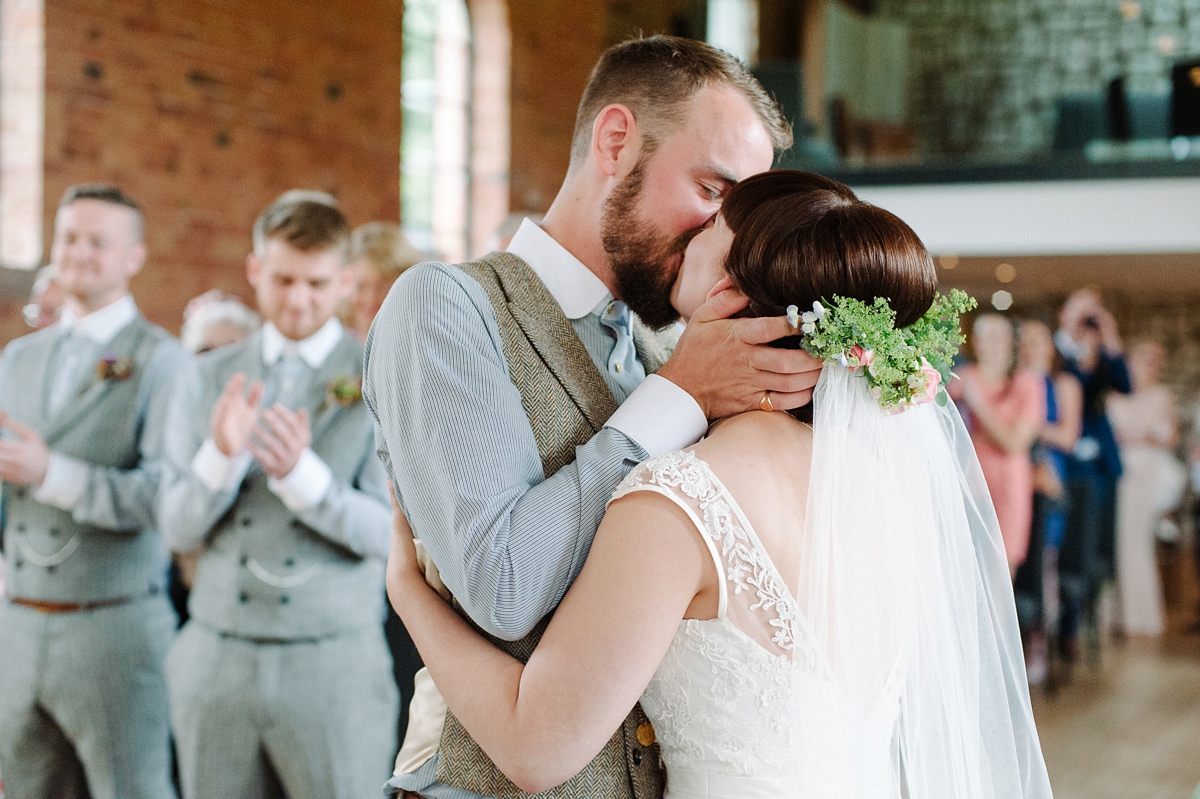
<point x="86" y="624"/>
<point x="214" y="320"/>
<point x="282" y="669"/>
<point x="379" y="253"/>
<point x="1036" y="582"/>
<point x="1006" y="411"/>
<point x="46" y="300"/>
<point x="1093" y="351"/>
<point x="1145" y="423"/>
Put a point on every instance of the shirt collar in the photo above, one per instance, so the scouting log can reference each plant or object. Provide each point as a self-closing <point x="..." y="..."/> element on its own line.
<point x="573" y="285"/>
<point x="314" y="349"/>
<point x="103" y="325"/>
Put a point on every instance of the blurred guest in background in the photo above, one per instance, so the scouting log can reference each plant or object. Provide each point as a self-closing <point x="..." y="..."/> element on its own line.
<point x="379" y="253"/>
<point x="1146" y="426"/>
<point x="46" y="300"/>
<point x="1036" y="582"/>
<point x="1005" y="412"/>
<point x="214" y="320"/>
<point x="1092" y="350"/>
<point x="86" y="625"/>
<point x="282" y="671"/>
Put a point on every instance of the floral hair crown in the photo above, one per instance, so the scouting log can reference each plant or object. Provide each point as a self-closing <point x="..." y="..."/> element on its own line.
<point x="903" y="367"/>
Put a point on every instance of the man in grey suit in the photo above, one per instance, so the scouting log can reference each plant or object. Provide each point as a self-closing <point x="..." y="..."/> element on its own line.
<point x="86" y="625"/>
<point x="281" y="678"/>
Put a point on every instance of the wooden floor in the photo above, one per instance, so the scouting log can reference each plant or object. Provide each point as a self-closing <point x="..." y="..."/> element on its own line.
<point x="1128" y="727"/>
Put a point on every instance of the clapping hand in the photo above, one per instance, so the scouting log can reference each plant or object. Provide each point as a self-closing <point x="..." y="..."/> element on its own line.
<point x="235" y="414"/>
<point x="727" y="365"/>
<point x="23" y="460"/>
<point x="279" y="439"/>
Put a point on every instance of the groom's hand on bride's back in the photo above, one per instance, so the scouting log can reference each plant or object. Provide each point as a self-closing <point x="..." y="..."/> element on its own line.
<point x="727" y="364"/>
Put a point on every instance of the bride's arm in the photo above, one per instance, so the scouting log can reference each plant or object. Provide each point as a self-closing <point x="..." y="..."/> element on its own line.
<point x="542" y="722"/>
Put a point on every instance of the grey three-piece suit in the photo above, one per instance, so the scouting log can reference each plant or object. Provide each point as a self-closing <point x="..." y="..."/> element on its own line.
<point x="283" y="658"/>
<point x="86" y="625"/>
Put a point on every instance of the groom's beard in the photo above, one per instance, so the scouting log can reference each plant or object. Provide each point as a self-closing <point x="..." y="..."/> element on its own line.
<point x="639" y="254"/>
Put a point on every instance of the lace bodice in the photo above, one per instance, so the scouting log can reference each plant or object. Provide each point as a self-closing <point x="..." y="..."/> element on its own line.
<point x="740" y="703"/>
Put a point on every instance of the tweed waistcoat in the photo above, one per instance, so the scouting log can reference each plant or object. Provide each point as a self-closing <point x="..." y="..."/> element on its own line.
<point x="265" y="574"/>
<point x="48" y="556"/>
<point x="567" y="402"/>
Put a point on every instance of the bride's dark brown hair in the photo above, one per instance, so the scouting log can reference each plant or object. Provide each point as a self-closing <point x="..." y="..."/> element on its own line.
<point x="800" y="237"/>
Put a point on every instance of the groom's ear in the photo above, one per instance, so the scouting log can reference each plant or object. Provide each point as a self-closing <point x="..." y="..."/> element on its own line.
<point x="616" y="141"/>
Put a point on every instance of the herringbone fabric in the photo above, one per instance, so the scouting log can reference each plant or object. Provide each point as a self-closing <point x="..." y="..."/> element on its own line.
<point x="567" y="402"/>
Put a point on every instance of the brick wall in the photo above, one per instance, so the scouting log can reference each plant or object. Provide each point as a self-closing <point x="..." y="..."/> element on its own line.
<point x="206" y="110"/>
<point x="555" y="44"/>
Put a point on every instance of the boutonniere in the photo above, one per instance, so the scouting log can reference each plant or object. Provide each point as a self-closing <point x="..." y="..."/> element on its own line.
<point x="344" y="391"/>
<point x="116" y="368"/>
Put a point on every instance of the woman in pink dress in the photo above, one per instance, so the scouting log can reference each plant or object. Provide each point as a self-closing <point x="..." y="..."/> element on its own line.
<point x="1005" y="411"/>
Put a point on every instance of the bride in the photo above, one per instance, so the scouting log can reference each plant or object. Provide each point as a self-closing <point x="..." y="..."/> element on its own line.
<point x="803" y="611"/>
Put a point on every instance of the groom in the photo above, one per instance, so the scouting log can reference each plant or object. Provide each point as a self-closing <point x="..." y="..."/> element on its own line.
<point x="514" y="393"/>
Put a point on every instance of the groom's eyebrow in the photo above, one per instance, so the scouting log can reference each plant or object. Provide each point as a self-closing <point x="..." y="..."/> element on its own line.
<point x="720" y="174"/>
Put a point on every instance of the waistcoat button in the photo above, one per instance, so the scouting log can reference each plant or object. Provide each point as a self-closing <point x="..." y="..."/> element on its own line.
<point x="49" y="570"/>
<point x="18" y="564"/>
<point x="295" y="524"/>
<point x="637" y="757"/>
<point x="20" y="528"/>
<point x="246" y="521"/>
<point x="283" y="600"/>
<point x="243" y="560"/>
<point x="289" y="562"/>
<point x="243" y="597"/>
<point x="54" y="532"/>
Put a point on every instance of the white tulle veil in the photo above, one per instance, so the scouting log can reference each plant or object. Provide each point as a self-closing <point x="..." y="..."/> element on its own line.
<point x="905" y="588"/>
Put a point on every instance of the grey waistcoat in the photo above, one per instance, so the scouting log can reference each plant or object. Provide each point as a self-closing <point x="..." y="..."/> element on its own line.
<point x="266" y="575"/>
<point x="567" y="402"/>
<point x="48" y="556"/>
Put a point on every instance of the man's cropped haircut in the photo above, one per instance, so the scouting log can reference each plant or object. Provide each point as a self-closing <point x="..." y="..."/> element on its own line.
<point x="106" y="193"/>
<point x="309" y="221"/>
<point x="655" y="77"/>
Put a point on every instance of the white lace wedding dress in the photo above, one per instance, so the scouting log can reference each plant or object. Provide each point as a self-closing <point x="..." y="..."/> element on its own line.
<point x="742" y="704"/>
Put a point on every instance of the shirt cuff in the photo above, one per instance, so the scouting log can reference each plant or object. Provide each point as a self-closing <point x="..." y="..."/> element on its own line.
<point x="63" y="485"/>
<point x="305" y="485"/>
<point x="216" y="471"/>
<point x="660" y="416"/>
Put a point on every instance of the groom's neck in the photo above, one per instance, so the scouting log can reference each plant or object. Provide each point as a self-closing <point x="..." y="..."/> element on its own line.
<point x="574" y="222"/>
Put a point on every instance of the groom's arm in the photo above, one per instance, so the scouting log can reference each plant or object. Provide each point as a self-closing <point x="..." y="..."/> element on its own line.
<point x="455" y="437"/>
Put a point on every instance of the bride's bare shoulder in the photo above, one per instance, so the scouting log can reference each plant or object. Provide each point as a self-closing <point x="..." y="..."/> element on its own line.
<point x="759" y="440"/>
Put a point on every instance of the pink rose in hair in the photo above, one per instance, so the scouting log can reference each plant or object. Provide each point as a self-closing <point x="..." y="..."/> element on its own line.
<point x="933" y="379"/>
<point x="861" y="357"/>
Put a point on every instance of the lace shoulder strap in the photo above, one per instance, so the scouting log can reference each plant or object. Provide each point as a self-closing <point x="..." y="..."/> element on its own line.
<point x="675" y="476"/>
<point x="760" y="605"/>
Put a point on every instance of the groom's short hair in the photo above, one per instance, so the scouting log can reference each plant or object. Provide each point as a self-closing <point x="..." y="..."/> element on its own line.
<point x="655" y="77"/>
